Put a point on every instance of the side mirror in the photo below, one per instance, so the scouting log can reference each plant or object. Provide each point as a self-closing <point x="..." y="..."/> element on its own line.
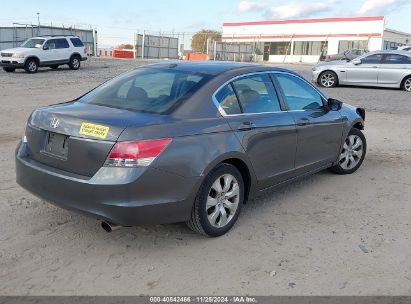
<point x="334" y="104"/>
<point x="45" y="47"/>
<point x="356" y="61"/>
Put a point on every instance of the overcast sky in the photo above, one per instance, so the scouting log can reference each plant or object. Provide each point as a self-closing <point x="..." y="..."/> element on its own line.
<point x="116" y="23"/>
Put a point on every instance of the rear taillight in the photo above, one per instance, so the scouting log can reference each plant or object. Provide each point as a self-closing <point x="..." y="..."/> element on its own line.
<point x="137" y="153"/>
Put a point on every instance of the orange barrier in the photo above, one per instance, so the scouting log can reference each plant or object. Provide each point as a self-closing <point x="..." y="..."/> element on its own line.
<point x="195" y="56"/>
<point x="129" y="54"/>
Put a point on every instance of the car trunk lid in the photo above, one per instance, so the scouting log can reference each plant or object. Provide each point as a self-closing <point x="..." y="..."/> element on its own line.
<point x="77" y="137"/>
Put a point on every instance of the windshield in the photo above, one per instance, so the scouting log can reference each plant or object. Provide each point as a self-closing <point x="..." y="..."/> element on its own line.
<point x="147" y="90"/>
<point x="33" y="43"/>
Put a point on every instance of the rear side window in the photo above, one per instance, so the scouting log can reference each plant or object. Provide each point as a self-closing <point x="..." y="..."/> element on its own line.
<point x="228" y="100"/>
<point x="147" y="90"/>
<point x="62" y="44"/>
<point x="396" y="59"/>
<point x="76" y="42"/>
<point x="299" y="94"/>
<point x="256" y="94"/>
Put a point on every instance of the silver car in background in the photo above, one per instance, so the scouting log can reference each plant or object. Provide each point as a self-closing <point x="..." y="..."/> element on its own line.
<point x="390" y="69"/>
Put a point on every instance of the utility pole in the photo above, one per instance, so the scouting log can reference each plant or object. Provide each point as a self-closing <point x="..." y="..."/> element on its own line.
<point x="38" y="24"/>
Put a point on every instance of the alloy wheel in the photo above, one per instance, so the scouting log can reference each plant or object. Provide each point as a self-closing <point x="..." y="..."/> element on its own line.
<point x="351" y="154"/>
<point x="407" y="85"/>
<point x="327" y="80"/>
<point x="76" y="63"/>
<point x="222" y="200"/>
<point x="32" y="66"/>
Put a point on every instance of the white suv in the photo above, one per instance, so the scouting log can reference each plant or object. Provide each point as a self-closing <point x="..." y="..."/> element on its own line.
<point x="47" y="51"/>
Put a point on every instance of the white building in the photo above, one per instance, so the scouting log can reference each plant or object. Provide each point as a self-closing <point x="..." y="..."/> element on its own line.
<point x="306" y="40"/>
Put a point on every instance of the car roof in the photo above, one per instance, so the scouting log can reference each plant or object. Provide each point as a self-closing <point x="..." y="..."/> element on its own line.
<point x="213" y="67"/>
<point x="398" y="52"/>
<point x="54" y="36"/>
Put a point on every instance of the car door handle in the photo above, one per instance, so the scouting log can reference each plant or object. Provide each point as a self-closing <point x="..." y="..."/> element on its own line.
<point x="303" y="122"/>
<point x="246" y="126"/>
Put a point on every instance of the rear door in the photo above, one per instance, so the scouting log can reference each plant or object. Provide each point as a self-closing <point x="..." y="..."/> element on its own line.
<point x="364" y="73"/>
<point x="319" y="130"/>
<point x="62" y="49"/>
<point x="393" y="69"/>
<point x="252" y="109"/>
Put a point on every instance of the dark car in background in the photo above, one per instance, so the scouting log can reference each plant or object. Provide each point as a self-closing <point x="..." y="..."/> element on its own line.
<point x="347" y="55"/>
<point x="185" y="142"/>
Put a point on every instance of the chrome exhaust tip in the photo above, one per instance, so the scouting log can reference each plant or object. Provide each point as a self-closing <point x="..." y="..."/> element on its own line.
<point x="108" y="227"/>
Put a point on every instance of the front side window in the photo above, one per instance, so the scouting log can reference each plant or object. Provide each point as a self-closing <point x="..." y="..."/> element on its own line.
<point x="147" y="90"/>
<point x="33" y="43"/>
<point x="298" y="93"/>
<point x="256" y="94"/>
<point x="51" y="44"/>
<point x="372" y="59"/>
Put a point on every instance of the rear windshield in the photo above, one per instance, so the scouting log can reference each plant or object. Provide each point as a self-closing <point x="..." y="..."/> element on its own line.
<point x="76" y="42"/>
<point x="147" y="90"/>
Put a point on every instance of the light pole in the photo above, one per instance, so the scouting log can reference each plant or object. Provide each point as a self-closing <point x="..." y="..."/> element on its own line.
<point x="38" y="24"/>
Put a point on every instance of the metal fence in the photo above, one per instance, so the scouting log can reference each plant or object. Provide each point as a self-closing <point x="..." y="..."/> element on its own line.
<point x="15" y="35"/>
<point x="156" y="47"/>
<point x="243" y="52"/>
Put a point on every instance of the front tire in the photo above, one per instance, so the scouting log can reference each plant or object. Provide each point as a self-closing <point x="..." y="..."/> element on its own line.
<point x="328" y="79"/>
<point x="74" y="62"/>
<point x="9" y="70"/>
<point x="406" y="85"/>
<point x="352" y="153"/>
<point x="31" y="66"/>
<point x="218" y="202"/>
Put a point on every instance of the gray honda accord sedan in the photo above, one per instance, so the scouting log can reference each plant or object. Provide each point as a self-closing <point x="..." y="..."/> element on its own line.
<point x="185" y="142"/>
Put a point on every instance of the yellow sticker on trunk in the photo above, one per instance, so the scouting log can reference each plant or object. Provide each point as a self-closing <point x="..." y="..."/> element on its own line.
<point x="94" y="130"/>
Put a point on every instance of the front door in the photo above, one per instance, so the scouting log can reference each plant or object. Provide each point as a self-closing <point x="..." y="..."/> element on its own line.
<point x="365" y="72"/>
<point x="319" y="131"/>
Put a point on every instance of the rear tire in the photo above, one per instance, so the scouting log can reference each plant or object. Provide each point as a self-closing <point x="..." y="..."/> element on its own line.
<point x="218" y="202"/>
<point x="406" y="85"/>
<point x="352" y="154"/>
<point x="31" y="65"/>
<point x="74" y="62"/>
<point x="328" y="79"/>
<point x="9" y="70"/>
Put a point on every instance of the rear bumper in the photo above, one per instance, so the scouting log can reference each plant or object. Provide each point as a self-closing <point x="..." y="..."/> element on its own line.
<point x="123" y="196"/>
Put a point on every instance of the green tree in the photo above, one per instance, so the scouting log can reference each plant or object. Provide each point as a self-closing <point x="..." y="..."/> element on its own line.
<point x="199" y="42"/>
